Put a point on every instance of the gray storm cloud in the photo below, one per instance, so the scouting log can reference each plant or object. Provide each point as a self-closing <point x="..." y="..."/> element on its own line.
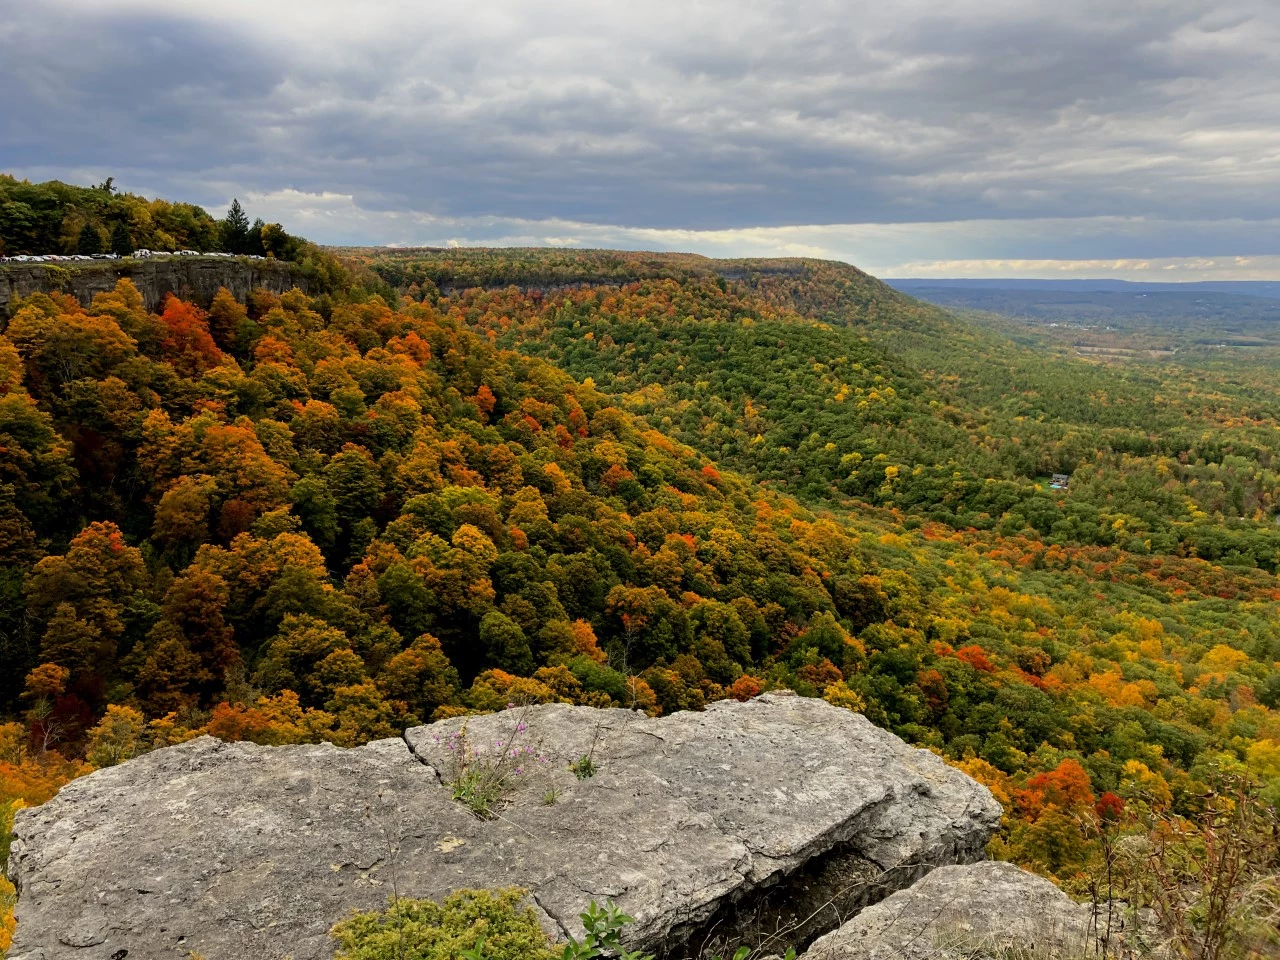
<point x="1089" y="129"/>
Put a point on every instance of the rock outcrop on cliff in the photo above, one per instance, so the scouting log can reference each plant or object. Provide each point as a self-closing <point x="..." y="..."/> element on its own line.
<point x="781" y="814"/>
<point x="966" y="912"/>
<point x="196" y="279"/>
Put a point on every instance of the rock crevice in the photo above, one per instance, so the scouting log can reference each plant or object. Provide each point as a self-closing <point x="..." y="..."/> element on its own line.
<point x="422" y="760"/>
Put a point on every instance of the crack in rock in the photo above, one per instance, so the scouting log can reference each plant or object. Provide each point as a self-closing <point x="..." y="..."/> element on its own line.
<point x="561" y="931"/>
<point x="421" y="759"/>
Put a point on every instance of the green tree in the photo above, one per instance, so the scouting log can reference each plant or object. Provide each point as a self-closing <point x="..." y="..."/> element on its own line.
<point x="90" y="240"/>
<point x="505" y="644"/>
<point x="279" y="244"/>
<point x="253" y="242"/>
<point x="121" y="242"/>
<point x="421" y="677"/>
<point x="84" y="598"/>
<point x="310" y="658"/>
<point x="235" y="229"/>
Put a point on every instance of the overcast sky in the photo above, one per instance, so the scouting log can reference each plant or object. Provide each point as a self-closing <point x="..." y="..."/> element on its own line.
<point x="911" y="137"/>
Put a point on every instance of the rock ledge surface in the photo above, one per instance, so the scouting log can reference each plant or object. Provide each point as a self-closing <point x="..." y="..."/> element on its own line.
<point x="965" y="913"/>
<point x="691" y="822"/>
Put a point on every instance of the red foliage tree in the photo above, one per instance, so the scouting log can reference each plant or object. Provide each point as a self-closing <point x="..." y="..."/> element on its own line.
<point x="976" y="657"/>
<point x="1066" y="787"/>
<point x="188" y="345"/>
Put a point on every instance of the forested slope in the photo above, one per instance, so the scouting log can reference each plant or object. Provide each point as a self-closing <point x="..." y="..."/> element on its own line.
<point x="330" y="518"/>
<point x="835" y="387"/>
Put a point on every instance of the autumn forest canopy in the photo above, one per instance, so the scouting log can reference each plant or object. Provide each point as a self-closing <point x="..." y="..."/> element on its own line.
<point x="462" y="479"/>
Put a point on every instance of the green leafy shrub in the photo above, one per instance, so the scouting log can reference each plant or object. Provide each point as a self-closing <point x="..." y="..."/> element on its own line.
<point x="487" y="923"/>
<point x="603" y="926"/>
<point x="483" y="925"/>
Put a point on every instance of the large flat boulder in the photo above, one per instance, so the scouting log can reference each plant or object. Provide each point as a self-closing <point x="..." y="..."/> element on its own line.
<point x="737" y="819"/>
<point x="984" y="910"/>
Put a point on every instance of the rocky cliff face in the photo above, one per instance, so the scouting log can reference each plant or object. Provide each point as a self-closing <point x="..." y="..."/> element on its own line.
<point x="192" y="278"/>
<point x="781" y="814"/>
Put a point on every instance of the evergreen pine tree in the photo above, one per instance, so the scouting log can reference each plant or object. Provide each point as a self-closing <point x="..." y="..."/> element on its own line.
<point x="121" y="242"/>
<point x="90" y="240"/>
<point x="253" y="243"/>
<point x="235" y="229"/>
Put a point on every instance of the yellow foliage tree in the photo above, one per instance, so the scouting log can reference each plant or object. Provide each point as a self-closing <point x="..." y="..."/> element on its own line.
<point x="840" y="695"/>
<point x="119" y="736"/>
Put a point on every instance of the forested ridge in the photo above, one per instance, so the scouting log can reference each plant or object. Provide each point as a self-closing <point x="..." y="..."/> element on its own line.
<point x="637" y="480"/>
<point x="953" y="424"/>
<point x="62" y="218"/>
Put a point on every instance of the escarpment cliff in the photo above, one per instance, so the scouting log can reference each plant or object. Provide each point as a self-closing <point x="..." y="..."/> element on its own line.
<point x="727" y="826"/>
<point x="193" y="278"/>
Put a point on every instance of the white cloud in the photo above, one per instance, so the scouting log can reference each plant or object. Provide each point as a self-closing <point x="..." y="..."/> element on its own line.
<point x="885" y="249"/>
<point x="889" y="134"/>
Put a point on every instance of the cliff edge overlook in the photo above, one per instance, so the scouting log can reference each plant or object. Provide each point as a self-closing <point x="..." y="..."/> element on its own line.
<point x="196" y="279"/>
<point x="723" y="827"/>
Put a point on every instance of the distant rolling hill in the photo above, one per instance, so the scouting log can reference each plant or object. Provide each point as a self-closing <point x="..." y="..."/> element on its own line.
<point x="1268" y="289"/>
<point x="1241" y="313"/>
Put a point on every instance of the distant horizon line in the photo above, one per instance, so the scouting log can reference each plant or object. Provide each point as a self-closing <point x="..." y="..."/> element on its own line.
<point x="1075" y="281"/>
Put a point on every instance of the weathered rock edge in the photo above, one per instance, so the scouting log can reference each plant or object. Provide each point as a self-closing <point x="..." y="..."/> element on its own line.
<point x="234" y="850"/>
<point x="962" y="913"/>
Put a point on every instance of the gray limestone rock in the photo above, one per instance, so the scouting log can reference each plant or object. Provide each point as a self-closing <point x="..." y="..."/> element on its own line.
<point x="965" y="913"/>
<point x="193" y="278"/>
<point x="782" y="812"/>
